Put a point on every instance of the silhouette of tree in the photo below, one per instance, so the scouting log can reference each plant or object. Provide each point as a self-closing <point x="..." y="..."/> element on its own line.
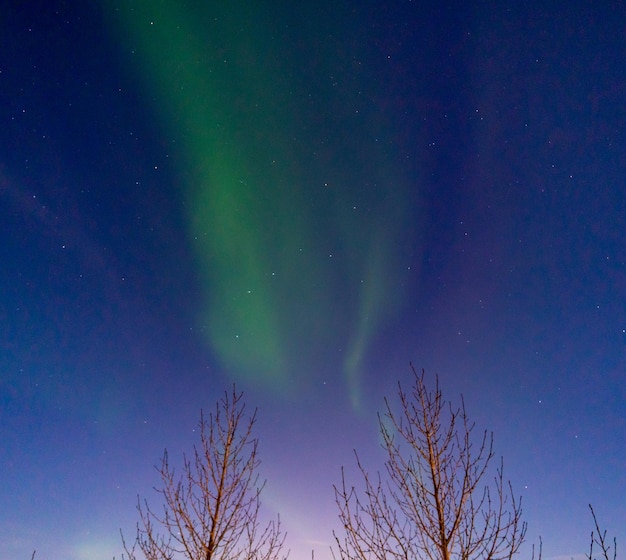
<point x="211" y="511"/>
<point x="437" y="498"/>
<point x="598" y="537"/>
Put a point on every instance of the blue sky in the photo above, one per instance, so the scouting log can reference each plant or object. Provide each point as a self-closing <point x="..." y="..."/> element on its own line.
<point x="303" y="200"/>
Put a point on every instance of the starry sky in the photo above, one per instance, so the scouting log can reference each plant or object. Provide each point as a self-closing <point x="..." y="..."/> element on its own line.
<point x="302" y="198"/>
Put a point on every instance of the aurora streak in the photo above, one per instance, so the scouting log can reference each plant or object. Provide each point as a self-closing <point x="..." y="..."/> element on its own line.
<point x="281" y="224"/>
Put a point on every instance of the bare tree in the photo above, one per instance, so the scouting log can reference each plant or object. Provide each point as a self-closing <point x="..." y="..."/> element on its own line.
<point x="211" y="511"/>
<point x="599" y="538"/>
<point x="434" y="501"/>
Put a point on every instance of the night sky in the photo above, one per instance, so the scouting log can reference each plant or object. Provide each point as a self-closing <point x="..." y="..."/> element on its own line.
<point x="302" y="198"/>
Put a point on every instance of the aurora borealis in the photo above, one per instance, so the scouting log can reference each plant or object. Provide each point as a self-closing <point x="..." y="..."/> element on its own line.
<point x="302" y="199"/>
<point x="290" y="213"/>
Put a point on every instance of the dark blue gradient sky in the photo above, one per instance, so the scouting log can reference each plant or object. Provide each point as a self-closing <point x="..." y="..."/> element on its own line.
<point x="302" y="200"/>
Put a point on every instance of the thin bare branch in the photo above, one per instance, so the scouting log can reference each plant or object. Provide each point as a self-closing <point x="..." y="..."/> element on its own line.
<point x="599" y="537"/>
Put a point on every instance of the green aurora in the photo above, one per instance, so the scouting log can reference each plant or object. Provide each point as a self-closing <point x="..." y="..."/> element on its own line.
<point x="296" y="211"/>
